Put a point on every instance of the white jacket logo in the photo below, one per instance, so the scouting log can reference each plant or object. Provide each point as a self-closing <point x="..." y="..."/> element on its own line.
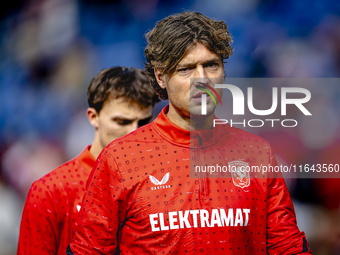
<point x="239" y="173"/>
<point x="164" y="180"/>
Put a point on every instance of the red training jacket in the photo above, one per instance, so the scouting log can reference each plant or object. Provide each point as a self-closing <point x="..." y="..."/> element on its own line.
<point x="52" y="206"/>
<point x="141" y="197"/>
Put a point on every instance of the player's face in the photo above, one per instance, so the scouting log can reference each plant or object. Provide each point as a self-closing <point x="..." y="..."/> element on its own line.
<point x="119" y="117"/>
<point x="198" y="68"/>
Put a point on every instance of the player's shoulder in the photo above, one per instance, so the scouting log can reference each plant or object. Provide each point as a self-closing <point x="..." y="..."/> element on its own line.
<point x="56" y="178"/>
<point x="143" y="133"/>
<point x="143" y="136"/>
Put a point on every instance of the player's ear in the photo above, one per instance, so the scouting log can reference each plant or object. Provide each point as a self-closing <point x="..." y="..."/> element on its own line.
<point x="92" y="115"/>
<point x="224" y="74"/>
<point x="160" y="78"/>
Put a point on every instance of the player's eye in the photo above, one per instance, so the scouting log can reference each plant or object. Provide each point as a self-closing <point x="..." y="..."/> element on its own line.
<point x="144" y="122"/>
<point x="122" y="122"/>
<point x="184" y="70"/>
<point x="212" y="65"/>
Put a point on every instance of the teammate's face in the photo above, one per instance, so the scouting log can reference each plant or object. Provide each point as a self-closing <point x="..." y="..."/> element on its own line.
<point x="199" y="67"/>
<point x="119" y="117"/>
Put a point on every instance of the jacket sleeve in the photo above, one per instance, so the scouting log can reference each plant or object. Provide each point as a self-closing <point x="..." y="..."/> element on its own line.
<point x="283" y="234"/>
<point x="103" y="210"/>
<point x="38" y="229"/>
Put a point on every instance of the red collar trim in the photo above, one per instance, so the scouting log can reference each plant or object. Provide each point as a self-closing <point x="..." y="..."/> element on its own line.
<point x="86" y="159"/>
<point x="181" y="136"/>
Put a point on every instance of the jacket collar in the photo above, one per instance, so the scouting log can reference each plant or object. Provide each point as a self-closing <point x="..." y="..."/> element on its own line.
<point x="178" y="135"/>
<point x="86" y="159"/>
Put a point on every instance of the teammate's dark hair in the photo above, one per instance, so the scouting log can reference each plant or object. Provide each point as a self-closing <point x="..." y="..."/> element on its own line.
<point x="173" y="36"/>
<point x="127" y="82"/>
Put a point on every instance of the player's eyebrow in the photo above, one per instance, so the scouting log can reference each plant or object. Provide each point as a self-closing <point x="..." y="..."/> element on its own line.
<point x="130" y="119"/>
<point x="184" y="65"/>
<point x="121" y="117"/>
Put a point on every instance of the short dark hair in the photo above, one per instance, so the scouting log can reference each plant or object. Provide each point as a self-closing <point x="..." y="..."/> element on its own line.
<point x="127" y="82"/>
<point x="173" y="36"/>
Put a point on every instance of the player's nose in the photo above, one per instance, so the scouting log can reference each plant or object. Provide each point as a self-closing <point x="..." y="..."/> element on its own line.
<point x="200" y="72"/>
<point x="200" y="76"/>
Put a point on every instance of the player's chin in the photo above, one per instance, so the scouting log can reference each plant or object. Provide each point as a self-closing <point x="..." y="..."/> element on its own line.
<point x="196" y="111"/>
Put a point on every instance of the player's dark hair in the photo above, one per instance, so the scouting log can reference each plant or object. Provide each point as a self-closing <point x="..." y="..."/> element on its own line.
<point x="126" y="82"/>
<point x="173" y="36"/>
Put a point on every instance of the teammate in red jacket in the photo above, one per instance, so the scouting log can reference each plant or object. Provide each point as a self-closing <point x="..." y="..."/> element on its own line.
<point x="120" y="100"/>
<point x="149" y="192"/>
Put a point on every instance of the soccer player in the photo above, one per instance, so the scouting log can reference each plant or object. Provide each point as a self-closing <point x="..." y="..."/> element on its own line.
<point x="140" y="196"/>
<point x="120" y="100"/>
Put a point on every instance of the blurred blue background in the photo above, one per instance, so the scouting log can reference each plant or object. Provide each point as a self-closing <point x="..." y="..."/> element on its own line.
<point x="51" y="49"/>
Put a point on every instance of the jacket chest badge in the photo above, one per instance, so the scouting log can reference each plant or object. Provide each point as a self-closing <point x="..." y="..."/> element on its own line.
<point x="240" y="173"/>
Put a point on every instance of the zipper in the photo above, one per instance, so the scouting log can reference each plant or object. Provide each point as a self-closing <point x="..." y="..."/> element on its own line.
<point x="202" y="176"/>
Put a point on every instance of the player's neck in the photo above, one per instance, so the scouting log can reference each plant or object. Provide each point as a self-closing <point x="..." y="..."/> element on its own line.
<point x="96" y="148"/>
<point x="188" y="123"/>
<point x="202" y="123"/>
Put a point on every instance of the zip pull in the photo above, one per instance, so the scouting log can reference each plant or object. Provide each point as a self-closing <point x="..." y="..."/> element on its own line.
<point x="199" y="139"/>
